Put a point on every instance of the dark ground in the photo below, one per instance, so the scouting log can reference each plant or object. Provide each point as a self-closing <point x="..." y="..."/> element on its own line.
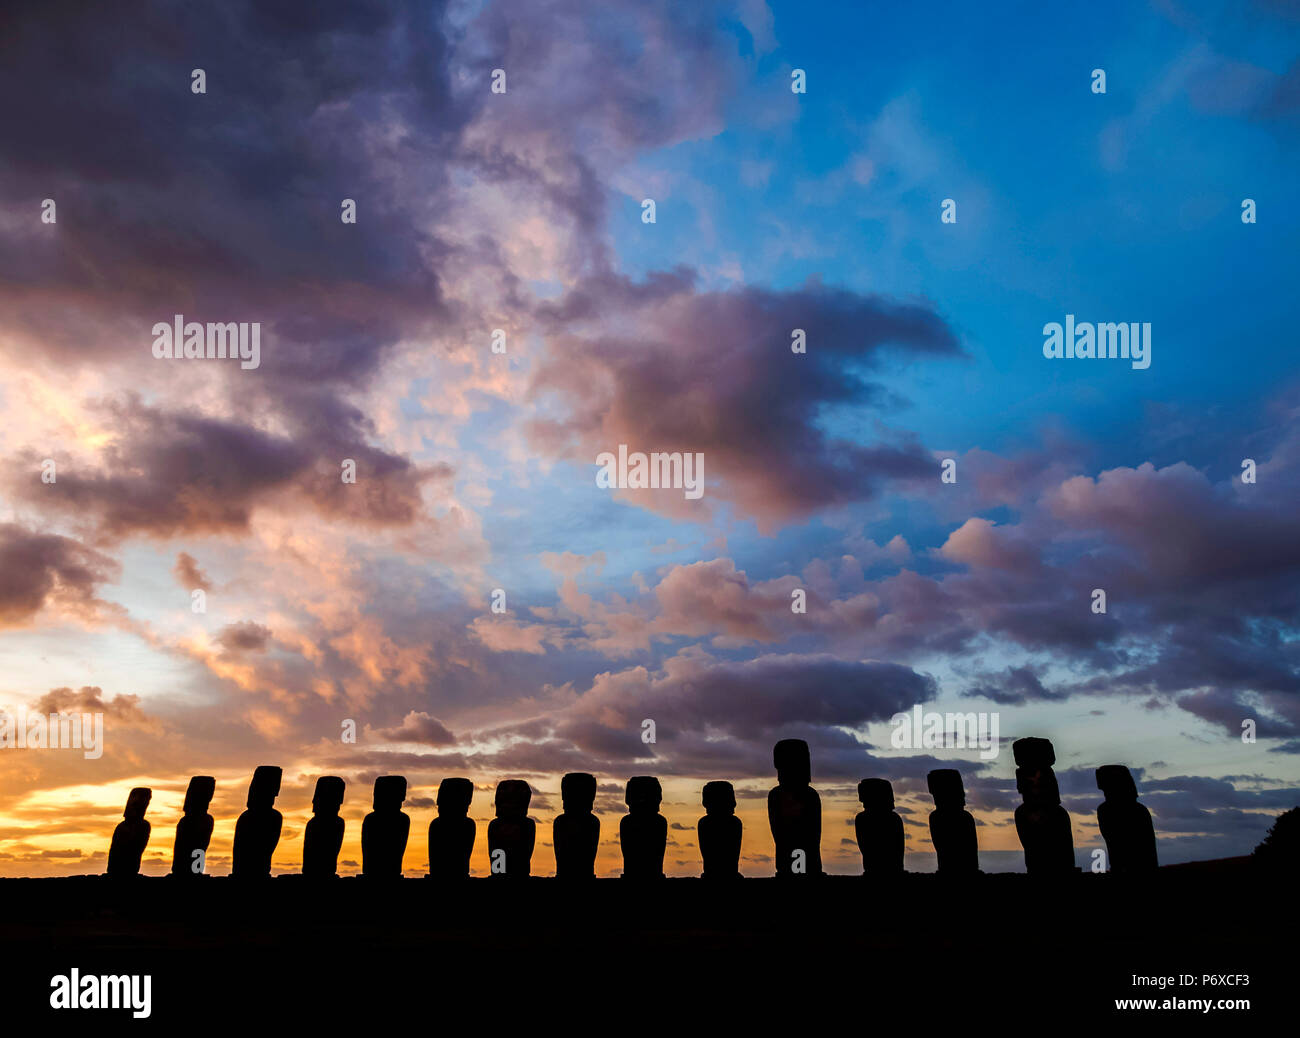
<point x="611" y="955"/>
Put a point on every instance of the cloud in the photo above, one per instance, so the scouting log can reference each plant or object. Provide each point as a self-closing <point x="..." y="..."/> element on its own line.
<point x="123" y="710"/>
<point x="419" y="727"/>
<point x="39" y="570"/>
<point x="188" y="573"/>
<point x="753" y="408"/>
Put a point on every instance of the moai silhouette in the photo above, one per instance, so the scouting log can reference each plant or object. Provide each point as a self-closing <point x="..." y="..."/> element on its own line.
<point x="511" y="834"/>
<point x="879" y="828"/>
<point x="952" y="828"/>
<point x="131" y="835"/>
<point x="385" y="830"/>
<point x="720" y="832"/>
<point x="576" y="830"/>
<point x="1041" y="822"/>
<point x="324" y="834"/>
<point x="794" y="810"/>
<point x="194" y="830"/>
<point x="1125" y="824"/>
<point x="452" y="833"/>
<point x="258" y="830"/>
<point x="643" y="831"/>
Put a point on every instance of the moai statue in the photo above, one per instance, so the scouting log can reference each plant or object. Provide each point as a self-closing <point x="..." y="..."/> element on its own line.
<point x="194" y="830"/>
<point x="384" y="831"/>
<point x="131" y="835"/>
<point x="258" y="830"/>
<point x="324" y="834"/>
<point x="1125" y="824"/>
<point x="952" y="828"/>
<point x="452" y="833"/>
<point x="511" y="834"/>
<point x="576" y="830"/>
<point x="879" y="828"/>
<point x="720" y="832"/>
<point x="794" y="810"/>
<point x="1041" y="822"/>
<point x="643" y="831"/>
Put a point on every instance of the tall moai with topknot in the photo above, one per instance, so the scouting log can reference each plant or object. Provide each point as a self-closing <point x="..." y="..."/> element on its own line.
<point x="1125" y="824"/>
<point x="576" y="829"/>
<point x="794" y="811"/>
<point x="952" y="827"/>
<point x="131" y="835"/>
<point x="512" y="834"/>
<point x="452" y="833"/>
<point x="643" y="831"/>
<point x="257" y="832"/>
<point x="720" y="832"/>
<point x="1041" y="822"/>
<point x="194" y="830"/>
<point x="879" y="829"/>
<point x="385" y="830"/>
<point x="324" y="834"/>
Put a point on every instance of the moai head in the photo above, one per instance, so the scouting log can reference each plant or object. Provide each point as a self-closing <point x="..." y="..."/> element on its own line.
<point x="454" y="797"/>
<point x="1035" y="779"/>
<point x="578" y="792"/>
<point x="137" y="802"/>
<point x="1116" y="781"/>
<point x="390" y="791"/>
<point x="198" y="795"/>
<point x="1038" y="786"/>
<point x="946" y="787"/>
<point x="876" y="794"/>
<point x="265" y="786"/>
<point x="513" y="798"/>
<point x="644" y="795"/>
<point x="1033" y="753"/>
<point x="328" y="797"/>
<point x="719" y="798"/>
<point x="793" y="762"/>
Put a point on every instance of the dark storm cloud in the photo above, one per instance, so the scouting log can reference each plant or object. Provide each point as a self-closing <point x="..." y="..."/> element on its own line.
<point x="101" y="118"/>
<point x="170" y="473"/>
<point x="37" y="569"/>
<point x="738" y="393"/>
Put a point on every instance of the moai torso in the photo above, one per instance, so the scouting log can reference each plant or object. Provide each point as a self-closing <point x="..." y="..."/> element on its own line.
<point x="257" y="832"/>
<point x="879" y="828"/>
<point x="794" y="811"/>
<point x="643" y="831"/>
<point x="720" y="832"/>
<point x="131" y="836"/>
<point x="324" y="833"/>
<point x="1125" y="824"/>
<point x="952" y="827"/>
<point x="194" y="830"/>
<point x="452" y="833"/>
<point x="385" y="830"/>
<point x="512" y="833"/>
<point x="1042" y="824"/>
<point x="576" y="830"/>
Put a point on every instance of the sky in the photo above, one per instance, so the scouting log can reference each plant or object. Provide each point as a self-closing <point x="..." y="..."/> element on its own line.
<point x="331" y="605"/>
